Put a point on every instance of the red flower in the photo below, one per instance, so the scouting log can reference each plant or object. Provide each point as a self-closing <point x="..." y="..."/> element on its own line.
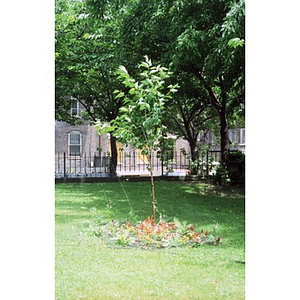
<point x="192" y="228"/>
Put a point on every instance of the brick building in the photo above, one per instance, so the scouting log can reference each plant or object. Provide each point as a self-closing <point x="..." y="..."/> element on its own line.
<point x="79" y="149"/>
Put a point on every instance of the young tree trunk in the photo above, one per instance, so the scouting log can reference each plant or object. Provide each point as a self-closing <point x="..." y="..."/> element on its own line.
<point x="152" y="187"/>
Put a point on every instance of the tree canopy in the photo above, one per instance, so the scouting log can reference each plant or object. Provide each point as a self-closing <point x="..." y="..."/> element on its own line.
<point x="200" y="38"/>
<point x="201" y="42"/>
<point x="87" y="55"/>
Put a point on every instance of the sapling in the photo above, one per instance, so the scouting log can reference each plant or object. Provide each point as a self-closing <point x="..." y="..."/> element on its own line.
<point x="139" y="123"/>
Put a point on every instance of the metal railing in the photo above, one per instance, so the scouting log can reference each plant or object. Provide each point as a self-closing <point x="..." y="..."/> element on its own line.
<point x="130" y="163"/>
<point x="81" y="165"/>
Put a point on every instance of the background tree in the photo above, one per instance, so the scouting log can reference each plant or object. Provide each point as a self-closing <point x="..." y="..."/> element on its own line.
<point x="87" y="55"/>
<point x="68" y="28"/>
<point x="201" y="38"/>
<point x="140" y="122"/>
<point x="200" y="41"/>
<point x="189" y="115"/>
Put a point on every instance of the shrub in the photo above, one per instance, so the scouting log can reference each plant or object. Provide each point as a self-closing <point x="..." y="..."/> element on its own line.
<point x="148" y="234"/>
<point x="236" y="167"/>
<point x="222" y="177"/>
<point x="234" y="171"/>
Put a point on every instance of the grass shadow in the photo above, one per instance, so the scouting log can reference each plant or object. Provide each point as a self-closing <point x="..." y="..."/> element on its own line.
<point x="85" y="266"/>
<point x="199" y="204"/>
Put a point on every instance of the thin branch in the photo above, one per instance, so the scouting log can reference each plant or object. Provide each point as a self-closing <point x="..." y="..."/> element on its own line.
<point x="179" y="125"/>
<point x="212" y="95"/>
<point x="200" y="112"/>
<point x="87" y="109"/>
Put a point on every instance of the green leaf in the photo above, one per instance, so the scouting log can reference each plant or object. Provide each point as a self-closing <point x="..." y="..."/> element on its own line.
<point x="104" y="127"/>
<point x="153" y="71"/>
<point x="128" y="119"/>
<point x="132" y="91"/>
<point x="120" y="95"/>
<point x="122" y="71"/>
<point x="149" y="81"/>
<point x="144" y="64"/>
<point x="148" y="61"/>
<point x="123" y="109"/>
<point x="235" y="42"/>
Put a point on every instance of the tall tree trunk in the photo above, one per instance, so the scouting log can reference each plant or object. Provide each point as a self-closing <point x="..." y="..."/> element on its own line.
<point x="224" y="124"/>
<point x="194" y="156"/>
<point x="114" y="155"/>
<point x="152" y="187"/>
<point x="224" y="136"/>
<point x="220" y="105"/>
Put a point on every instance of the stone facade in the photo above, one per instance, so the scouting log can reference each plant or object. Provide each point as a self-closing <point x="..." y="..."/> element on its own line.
<point x="79" y="149"/>
<point x="90" y="140"/>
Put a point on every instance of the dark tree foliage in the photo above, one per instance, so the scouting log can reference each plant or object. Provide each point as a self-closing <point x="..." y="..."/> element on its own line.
<point x="201" y="42"/>
<point x="200" y="38"/>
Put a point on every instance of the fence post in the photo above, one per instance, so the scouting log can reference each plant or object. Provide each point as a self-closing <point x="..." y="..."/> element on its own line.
<point x="207" y="164"/>
<point x="64" y="164"/>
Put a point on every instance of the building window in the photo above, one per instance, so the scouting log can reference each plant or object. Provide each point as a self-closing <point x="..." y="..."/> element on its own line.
<point x="212" y="138"/>
<point x="75" y="108"/>
<point x="242" y="133"/>
<point x="237" y="136"/>
<point x="234" y="136"/>
<point x="75" y="143"/>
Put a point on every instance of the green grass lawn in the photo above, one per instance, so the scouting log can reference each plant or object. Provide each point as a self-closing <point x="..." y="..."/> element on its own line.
<point x="88" y="269"/>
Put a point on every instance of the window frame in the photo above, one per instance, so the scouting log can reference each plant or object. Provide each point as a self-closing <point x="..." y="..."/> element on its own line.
<point x="71" y="153"/>
<point x="237" y="136"/>
<point x="77" y="110"/>
<point x="242" y="136"/>
<point x="212" y="140"/>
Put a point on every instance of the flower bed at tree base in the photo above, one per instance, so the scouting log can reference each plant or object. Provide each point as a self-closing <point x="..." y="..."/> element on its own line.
<point x="150" y="235"/>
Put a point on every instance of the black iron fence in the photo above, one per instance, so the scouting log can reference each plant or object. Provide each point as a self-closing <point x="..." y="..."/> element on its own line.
<point x="132" y="163"/>
<point x="77" y="165"/>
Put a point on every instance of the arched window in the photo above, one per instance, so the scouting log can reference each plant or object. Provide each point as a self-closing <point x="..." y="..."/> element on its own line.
<point x="75" y="143"/>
